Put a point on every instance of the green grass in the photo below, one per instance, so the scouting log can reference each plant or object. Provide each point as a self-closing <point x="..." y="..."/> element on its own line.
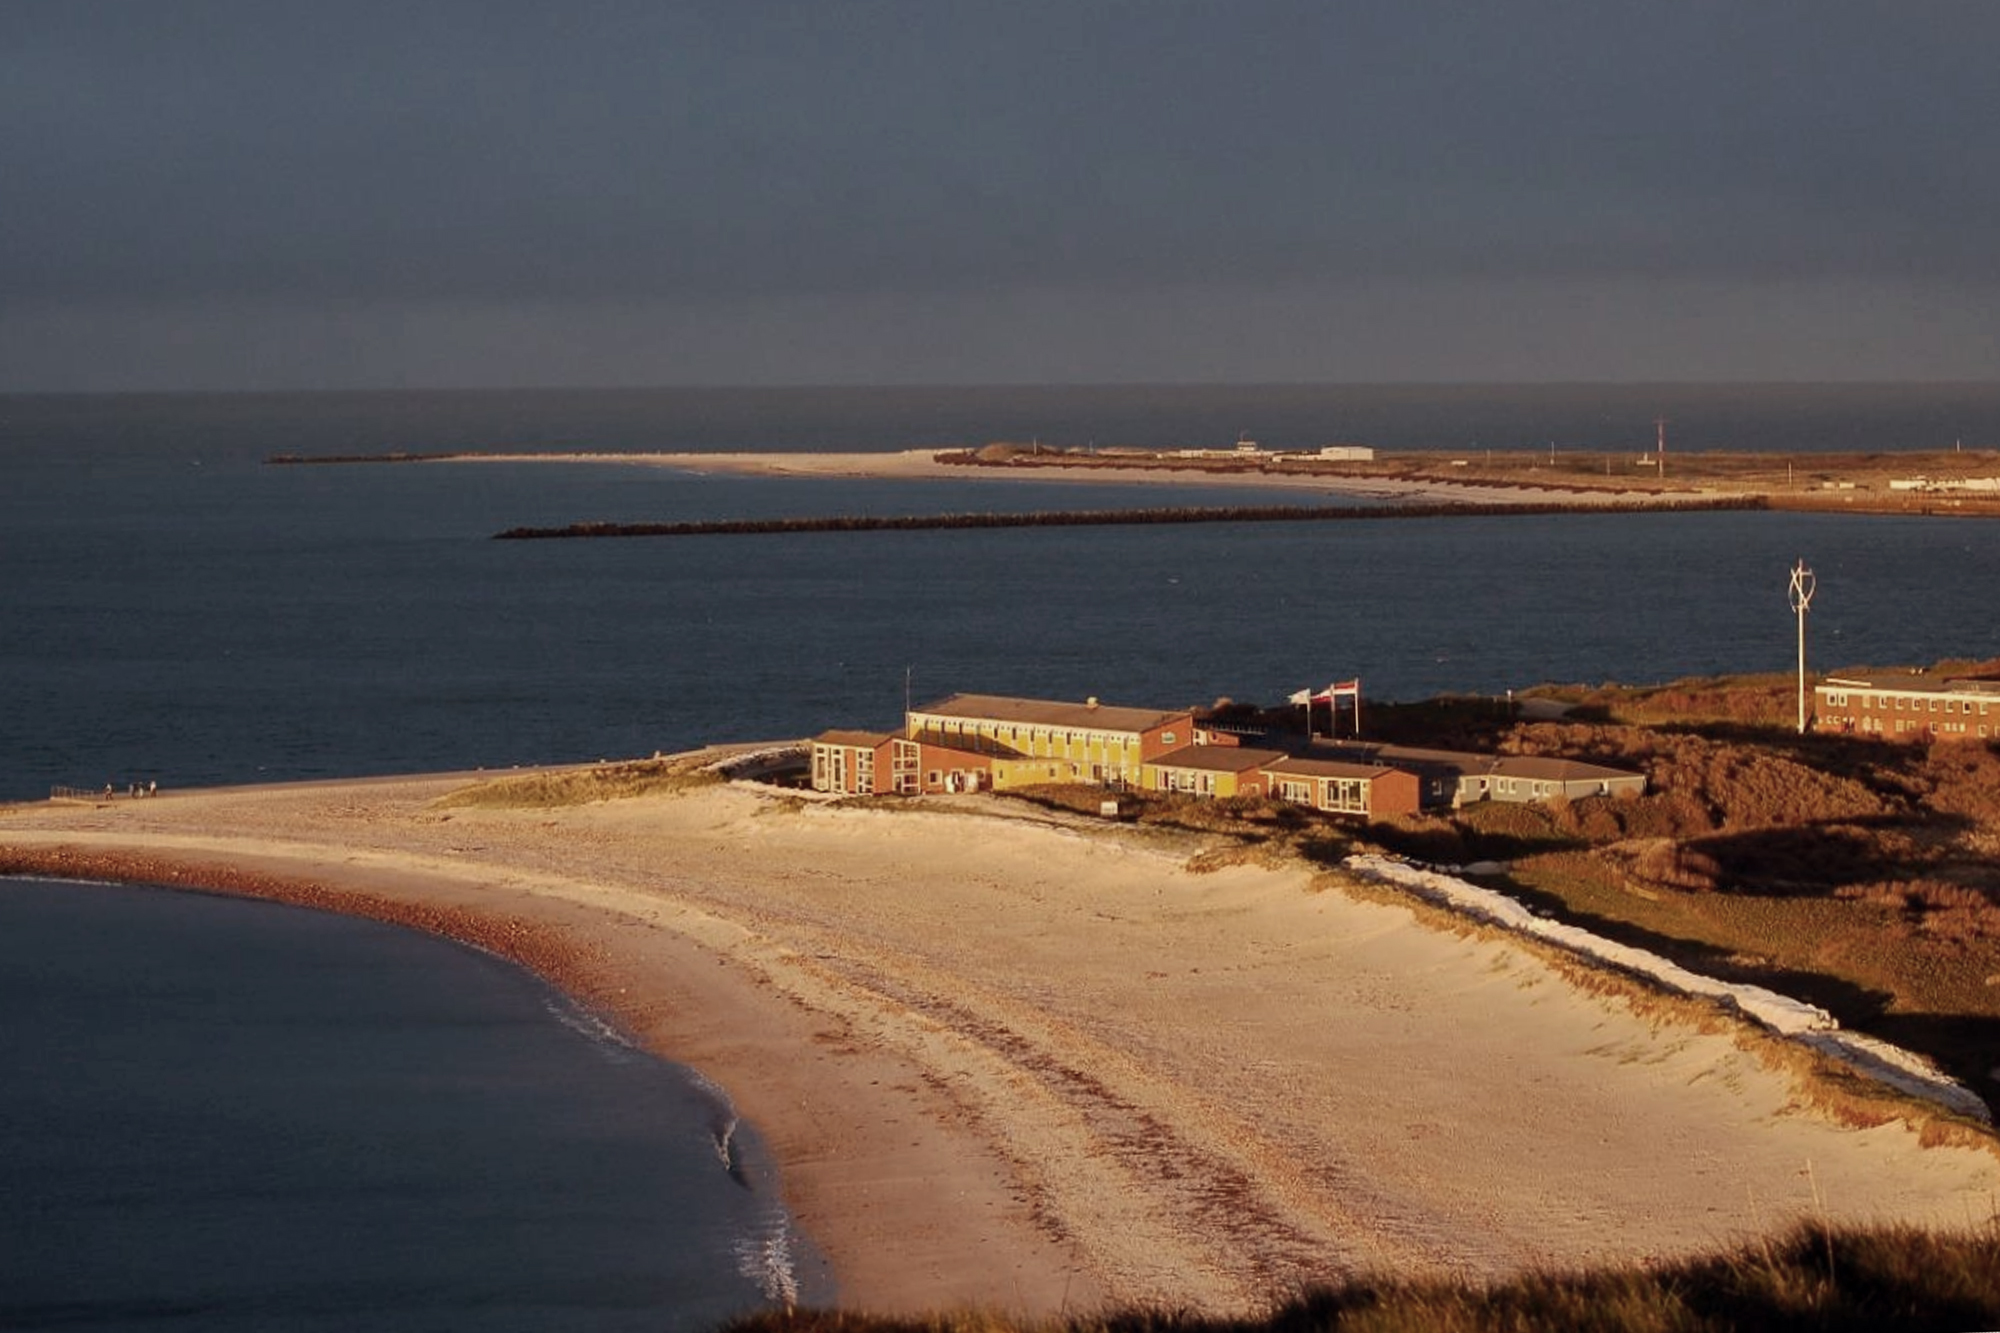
<point x="1881" y="1280"/>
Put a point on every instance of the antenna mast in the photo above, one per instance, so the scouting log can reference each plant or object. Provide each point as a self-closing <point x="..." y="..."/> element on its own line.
<point x="1801" y="598"/>
<point x="1660" y="449"/>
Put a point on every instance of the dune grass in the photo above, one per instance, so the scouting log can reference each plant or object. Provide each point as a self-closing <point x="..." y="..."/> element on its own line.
<point x="580" y="786"/>
<point x="1827" y="1280"/>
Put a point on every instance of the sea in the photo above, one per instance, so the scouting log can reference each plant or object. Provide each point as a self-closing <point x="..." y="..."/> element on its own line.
<point x="226" y="1114"/>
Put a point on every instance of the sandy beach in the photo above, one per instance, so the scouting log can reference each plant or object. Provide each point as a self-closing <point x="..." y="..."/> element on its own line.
<point x="1011" y="1060"/>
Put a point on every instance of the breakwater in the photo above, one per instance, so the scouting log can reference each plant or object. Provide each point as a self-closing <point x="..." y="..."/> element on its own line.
<point x="1088" y="518"/>
<point x="304" y="460"/>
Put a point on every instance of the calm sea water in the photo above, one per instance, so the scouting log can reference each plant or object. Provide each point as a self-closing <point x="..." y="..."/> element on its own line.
<point x="173" y="610"/>
<point x="223" y="1114"/>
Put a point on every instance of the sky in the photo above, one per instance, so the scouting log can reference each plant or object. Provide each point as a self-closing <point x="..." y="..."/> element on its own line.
<point x="268" y="194"/>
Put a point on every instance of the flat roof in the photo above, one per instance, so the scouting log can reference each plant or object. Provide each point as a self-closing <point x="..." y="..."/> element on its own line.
<point x="1328" y="768"/>
<point x="1218" y="758"/>
<point x="1548" y="769"/>
<point x="1910" y="682"/>
<point x="1048" y="713"/>
<point x="1468" y="764"/>
<point x="866" y="740"/>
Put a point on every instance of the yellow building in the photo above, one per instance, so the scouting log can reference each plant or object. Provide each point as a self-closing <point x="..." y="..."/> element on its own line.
<point x="1042" y="740"/>
<point x="1219" y="771"/>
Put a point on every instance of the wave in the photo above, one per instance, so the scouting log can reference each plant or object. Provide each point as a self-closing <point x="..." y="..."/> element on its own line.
<point x="608" y="1041"/>
<point x="723" y="1123"/>
<point x="766" y="1259"/>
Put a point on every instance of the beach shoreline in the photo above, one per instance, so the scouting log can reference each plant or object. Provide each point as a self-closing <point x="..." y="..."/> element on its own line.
<point x="1018" y="1063"/>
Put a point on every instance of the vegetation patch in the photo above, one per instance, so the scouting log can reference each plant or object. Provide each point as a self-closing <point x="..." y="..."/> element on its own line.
<point x="1819" y="1278"/>
<point x="581" y="786"/>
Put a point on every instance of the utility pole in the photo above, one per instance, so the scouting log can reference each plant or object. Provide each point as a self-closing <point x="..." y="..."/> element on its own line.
<point x="1660" y="450"/>
<point x="1801" y="598"/>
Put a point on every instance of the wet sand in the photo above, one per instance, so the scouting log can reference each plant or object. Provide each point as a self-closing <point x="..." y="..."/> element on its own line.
<point x="1023" y="1062"/>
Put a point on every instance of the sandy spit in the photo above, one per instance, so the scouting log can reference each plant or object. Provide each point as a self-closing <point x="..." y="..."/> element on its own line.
<point x="922" y="464"/>
<point x="1014" y="1062"/>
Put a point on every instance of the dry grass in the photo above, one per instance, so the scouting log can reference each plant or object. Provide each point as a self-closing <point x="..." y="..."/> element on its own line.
<point x="581" y="786"/>
<point x="1829" y="1280"/>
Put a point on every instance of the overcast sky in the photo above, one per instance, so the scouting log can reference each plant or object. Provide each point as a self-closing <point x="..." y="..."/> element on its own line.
<point x="344" y="193"/>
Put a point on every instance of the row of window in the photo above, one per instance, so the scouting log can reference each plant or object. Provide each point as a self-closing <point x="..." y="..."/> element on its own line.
<point x="1916" y="704"/>
<point x="1904" y="724"/>
<point x="1348" y="795"/>
<point x="1031" y="740"/>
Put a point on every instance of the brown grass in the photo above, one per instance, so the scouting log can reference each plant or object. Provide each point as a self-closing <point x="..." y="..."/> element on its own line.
<point x="1829" y="1280"/>
<point x="580" y="786"/>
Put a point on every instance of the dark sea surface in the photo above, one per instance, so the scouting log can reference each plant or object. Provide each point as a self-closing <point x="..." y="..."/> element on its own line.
<point x="227" y="1114"/>
<point x="175" y="610"/>
<point x="172" y="609"/>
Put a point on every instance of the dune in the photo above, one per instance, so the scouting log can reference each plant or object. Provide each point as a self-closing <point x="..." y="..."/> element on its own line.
<point x="1017" y="1060"/>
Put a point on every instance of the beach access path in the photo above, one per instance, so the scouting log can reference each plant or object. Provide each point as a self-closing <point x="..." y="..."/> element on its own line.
<point x="1016" y="1060"/>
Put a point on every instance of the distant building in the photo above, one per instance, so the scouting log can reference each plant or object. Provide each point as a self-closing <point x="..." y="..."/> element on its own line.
<point x="1347" y="453"/>
<point x="1908" y="706"/>
<point x="1516" y="777"/>
<point x="1987" y="485"/>
<point x="1453" y="778"/>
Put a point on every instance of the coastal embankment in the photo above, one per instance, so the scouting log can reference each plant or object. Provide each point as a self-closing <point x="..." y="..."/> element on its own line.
<point x="1088" y="518"/>
<point x="1012" y="1058"/>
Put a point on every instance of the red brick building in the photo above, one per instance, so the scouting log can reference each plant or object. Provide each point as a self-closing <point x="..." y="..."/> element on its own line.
<point x="875" y="763"/>
<point x="1342" y="788"/>
<point x="1908" y="706"/>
